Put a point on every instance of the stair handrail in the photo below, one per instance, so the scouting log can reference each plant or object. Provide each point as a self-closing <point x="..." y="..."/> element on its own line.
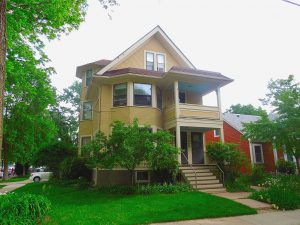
<point x="192" y="169"/>
<point x="222" y="172"/>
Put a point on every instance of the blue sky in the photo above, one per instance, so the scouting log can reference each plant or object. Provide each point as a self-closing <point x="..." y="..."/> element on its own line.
<point x="251" y="41"/>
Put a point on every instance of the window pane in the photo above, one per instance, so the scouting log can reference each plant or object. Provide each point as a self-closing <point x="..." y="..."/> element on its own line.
<point x="258" y="153"/>
<point x="85" y="141"/>
<point x="149" y="61"/>
<point x="142" y="94"/>
<point x="120" y="95"/>
<point x="159" y="98"/>
<point x="88" y="77"/>
<point x="160" y="62"/>
<point x="142" y="176"/>
<point x="87" y="111"/>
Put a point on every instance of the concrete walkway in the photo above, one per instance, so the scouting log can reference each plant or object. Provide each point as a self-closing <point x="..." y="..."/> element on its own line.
<point x="268" y="218"/>
<point x="10" y="186"/>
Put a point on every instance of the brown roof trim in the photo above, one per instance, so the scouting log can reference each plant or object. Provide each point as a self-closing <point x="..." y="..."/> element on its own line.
<point x="189" y="71"/>
<point x="102" y="62"/>
<point x="151" y="73"/>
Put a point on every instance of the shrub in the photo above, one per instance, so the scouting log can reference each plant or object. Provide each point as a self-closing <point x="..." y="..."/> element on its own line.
<point x="239" y="183"/>
<point x="147" y="189"/>
<point x="285" y="167"/>
<point x="22" y="209"/>
<point x="258" y="175"/>
<point x="283" y="192"/>
<point x="73" y="168"/>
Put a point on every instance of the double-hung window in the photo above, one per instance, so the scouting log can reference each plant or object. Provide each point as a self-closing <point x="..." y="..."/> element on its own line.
<point x="142" y="94"/>
<point x="258" y="153"/>
<point x="155" y="61"/>
<point x="87" y="109"/>
<point x="88" y="77"/>
<point x="149" y="61"/>
<point x="120" y="95"/>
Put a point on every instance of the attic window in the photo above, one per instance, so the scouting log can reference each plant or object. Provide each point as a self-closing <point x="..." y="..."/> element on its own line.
<point x="88" y="77"/>
<point x="155" y="61"/>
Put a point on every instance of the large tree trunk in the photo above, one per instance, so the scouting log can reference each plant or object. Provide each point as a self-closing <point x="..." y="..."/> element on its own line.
<point x="24" y="170"/>
<point x="5" y="159"/>
<point x="2" y="65"/>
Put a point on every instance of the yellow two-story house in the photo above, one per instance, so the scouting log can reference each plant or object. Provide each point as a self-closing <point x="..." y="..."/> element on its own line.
<point x="155" y="82"/>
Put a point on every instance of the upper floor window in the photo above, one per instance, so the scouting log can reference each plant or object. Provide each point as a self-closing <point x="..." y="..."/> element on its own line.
<point x="155" y="61"/>
<point x="120" y="95"/>
<point x="142" y="94"/>
<point x="149" y="61"/>
<point x="159" y="98"/>
<point x="160" y="62"/>
<point x="88" y="77"/>
<point x="87" y="110"/>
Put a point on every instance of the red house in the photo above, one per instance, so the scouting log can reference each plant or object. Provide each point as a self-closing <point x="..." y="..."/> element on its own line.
<point x="260" y="153"/>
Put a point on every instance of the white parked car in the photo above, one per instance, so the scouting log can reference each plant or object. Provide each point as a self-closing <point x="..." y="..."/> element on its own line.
<point x="42" y="175"/>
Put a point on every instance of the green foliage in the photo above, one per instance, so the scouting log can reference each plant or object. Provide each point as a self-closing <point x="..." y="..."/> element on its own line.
<point x="236" y="182"/>
<point x="23" y="209"/>
<point x="283" y="192"/>
<point x="284" y="128"/>
<point x="73" y="168"/>
<point x="147" y="189"/>
<point x="52" y="155"/>
<point x="246" y="110"/>
<point x="130" y="145"/>
<point x="258" y="175"/>
<point x="226" y="153"/>
<point x="285" y="167"/>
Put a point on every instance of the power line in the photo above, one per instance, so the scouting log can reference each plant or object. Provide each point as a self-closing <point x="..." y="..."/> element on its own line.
<point x="294" y="3"/>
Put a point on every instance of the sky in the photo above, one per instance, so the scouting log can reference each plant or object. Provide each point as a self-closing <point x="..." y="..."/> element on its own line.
<point x="250" y="41"/>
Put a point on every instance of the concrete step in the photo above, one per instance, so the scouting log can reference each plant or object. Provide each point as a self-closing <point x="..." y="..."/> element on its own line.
<point x="195" y="170"/>
<point x="213" y="190"/>
<point x="190" y="178"/>
<point x="194" y="167"/>
<point x="204" y="174"/>
<point x="208" y="186"/>
<point x="193" y="182"/>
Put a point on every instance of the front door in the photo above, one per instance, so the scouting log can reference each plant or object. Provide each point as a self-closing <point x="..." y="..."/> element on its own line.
<point x="197" y="148"/>
<point x="184" y="153"/>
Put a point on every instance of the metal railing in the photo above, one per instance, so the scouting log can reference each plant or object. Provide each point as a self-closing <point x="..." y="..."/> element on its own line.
<point x="192" y="169"/>
<point x="222" y="173"/>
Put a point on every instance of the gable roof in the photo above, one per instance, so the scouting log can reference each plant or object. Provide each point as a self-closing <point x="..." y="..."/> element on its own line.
<point x="161" y="36"/>
<point x="237" y="120"/>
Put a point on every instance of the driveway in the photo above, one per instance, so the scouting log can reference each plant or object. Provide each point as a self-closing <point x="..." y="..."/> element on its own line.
<point x="267" y="218"/>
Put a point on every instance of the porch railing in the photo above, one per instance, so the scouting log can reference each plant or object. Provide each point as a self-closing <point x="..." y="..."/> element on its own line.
<point x="190" y="165"/>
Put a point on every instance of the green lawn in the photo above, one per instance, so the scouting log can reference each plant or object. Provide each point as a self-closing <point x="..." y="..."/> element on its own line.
<point x="15" y="179"/>
<point x="71" y="206"/>
<point x="1" y="186"/>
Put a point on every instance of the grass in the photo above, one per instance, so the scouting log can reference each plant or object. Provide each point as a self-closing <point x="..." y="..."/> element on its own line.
<point x="73" y="206"/>
<point x="15" y="179"/>
<point x="1" y="186"/>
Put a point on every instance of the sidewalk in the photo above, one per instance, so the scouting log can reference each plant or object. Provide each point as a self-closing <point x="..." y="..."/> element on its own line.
<point x="268" y="218"/>
<point x="10" y="186"/>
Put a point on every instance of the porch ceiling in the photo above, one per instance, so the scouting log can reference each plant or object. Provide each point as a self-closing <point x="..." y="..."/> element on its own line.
<point x="200" y="88"/>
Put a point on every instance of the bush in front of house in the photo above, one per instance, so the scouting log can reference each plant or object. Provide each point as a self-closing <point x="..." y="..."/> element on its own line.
<point x="73" y="168"/>
<point x="285" y="167"/>
<point x="147" y="189"/>
<point x="23" y="209"/>
<point x="258" y="175"/>
<point x="238" y="182"/>
<point x="283" y="192"/>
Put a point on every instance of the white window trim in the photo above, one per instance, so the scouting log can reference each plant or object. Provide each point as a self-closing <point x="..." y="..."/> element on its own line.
<point x="142" y="181"/>
<point x="262" y="153"/>
<point x="215" y="133"/>
<point x="155" y="59"/>
<point x="81" y="111"/>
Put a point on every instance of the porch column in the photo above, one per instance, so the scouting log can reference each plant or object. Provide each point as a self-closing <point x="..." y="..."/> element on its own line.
<point x="176" y="99"/>
<point x="222" y="133"/>
<point x="154" y="102"/>
<point x="178" y="141"/>
<point x="218" y="93"/>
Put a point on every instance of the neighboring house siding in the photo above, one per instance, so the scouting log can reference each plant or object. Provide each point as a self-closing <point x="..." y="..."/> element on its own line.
<point x="269" y="162"/>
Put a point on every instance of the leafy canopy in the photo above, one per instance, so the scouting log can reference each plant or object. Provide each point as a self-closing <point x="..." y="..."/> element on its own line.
<point x="246" y="110"/>
<point x="283" y="129"/>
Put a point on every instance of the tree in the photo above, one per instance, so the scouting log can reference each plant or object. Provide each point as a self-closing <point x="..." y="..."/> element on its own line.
<point x="246" y="110"/>
<point x="284" y="130"/>
<point x="68" y="109"/>
<point x="30" y="22"/>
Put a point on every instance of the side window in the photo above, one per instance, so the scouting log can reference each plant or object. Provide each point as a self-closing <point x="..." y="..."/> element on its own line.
<point x="142" y="94"/>
<point x="142" y="177"/>
<point x="149" y="61"/>
<point x="88" y="77"/>
<point x="258" y="153"/>
<point x="87" y="110"/>
<point x="120" y="95"/>
<point x="217" y="133"/>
